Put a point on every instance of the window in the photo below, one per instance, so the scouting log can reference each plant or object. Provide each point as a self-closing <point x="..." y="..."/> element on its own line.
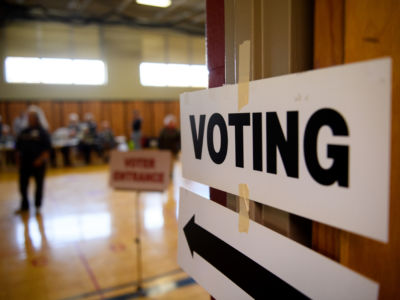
<point x="173" y="75"/>
<point x="55" y="71"/>
<point x="157" y="3"/>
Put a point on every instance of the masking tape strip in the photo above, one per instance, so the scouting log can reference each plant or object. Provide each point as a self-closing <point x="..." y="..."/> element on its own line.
<point x="244" y="74"/>
<point x="244" y="208"/>
<point x="243" y="99"/>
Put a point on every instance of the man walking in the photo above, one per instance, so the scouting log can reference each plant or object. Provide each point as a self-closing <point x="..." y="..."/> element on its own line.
<point x="33" y="150"/>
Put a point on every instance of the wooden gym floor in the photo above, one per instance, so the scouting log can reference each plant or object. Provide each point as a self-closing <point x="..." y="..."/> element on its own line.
<point x="81" y="246"/>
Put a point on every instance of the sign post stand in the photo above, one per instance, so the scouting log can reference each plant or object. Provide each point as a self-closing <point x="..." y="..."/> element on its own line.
<point x="138" y="244"/>
<point x="140" y="171"/>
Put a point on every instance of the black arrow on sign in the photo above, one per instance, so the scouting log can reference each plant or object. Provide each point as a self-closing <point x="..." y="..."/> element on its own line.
<point x="240" y="269"/>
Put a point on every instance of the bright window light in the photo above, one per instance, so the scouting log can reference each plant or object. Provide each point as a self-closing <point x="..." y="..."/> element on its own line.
<point x="55" y="71"/>
<point x="89" y="71"/>
<point x="153" y="74"/>
<point x="173" y="75"/>
<point x="157" y="3"/>
<point x="22" y="69"/>
<point x="199" y="76"/>
<point x="178" y="75"/>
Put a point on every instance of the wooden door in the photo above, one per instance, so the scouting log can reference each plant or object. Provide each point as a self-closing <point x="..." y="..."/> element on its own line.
<point x="349" y="31"/>
<point x="344" y="31"/>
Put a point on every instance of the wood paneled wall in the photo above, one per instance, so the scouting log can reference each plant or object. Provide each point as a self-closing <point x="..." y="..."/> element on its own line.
<point x="118" y="113"/>
<point x="349" y="31"/>
<point x="328" y="51"/>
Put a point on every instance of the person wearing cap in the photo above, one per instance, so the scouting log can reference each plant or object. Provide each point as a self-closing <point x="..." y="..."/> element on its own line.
<point x="170" y="138"/>
<point x="33" y="148"/>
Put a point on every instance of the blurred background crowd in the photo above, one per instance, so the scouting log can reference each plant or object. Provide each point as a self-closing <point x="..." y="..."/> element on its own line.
<point x="83" y="141"/>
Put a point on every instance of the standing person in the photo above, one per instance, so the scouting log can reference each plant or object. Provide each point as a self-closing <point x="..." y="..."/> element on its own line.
<point x="33" y="150"/>
<point x="170" y="137"/>
<point x="137" y="130"/>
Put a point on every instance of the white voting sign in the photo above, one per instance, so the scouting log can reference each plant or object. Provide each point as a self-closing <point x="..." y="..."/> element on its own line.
<point x="140" y="170"/>
<point x="316" y="144"/>
<point x="261" y="264"/>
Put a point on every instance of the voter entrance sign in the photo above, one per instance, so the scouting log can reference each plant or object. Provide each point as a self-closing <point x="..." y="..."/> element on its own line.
<point x="316" y="144"/>
<point x="261" y="264"/>
<point x="140" y="170"/>
<point x="147" y="170"/>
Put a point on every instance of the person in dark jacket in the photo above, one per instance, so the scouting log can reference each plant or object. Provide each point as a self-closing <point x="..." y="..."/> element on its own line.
<point x="170" y="138"/>
<point x="137" y="130"/>
<point x="33" y="148"/>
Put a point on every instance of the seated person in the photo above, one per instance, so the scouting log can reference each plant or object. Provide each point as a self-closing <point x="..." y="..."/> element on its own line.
<point x="87" y="143"/>
<point x="88" y="137"/>
<point x="106" y="140"/>
<point x="61" y="140"/>
<point x="71" y="135"/>
<point x="6" y="138"/>
<point x="90" y="123"/>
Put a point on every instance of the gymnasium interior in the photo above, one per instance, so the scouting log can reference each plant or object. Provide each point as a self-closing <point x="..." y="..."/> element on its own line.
<point x="81" y="245"/>
<point x="199" y="149"/>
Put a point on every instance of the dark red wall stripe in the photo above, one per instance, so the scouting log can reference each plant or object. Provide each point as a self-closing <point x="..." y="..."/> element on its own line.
<point x="215" y="42"/>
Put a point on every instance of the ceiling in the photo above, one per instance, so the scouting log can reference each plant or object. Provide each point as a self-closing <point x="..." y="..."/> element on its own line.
<point x="183" y="15"/>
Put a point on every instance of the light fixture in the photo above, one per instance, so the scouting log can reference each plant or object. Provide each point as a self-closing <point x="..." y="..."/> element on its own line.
<point x="158" y="3"/>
